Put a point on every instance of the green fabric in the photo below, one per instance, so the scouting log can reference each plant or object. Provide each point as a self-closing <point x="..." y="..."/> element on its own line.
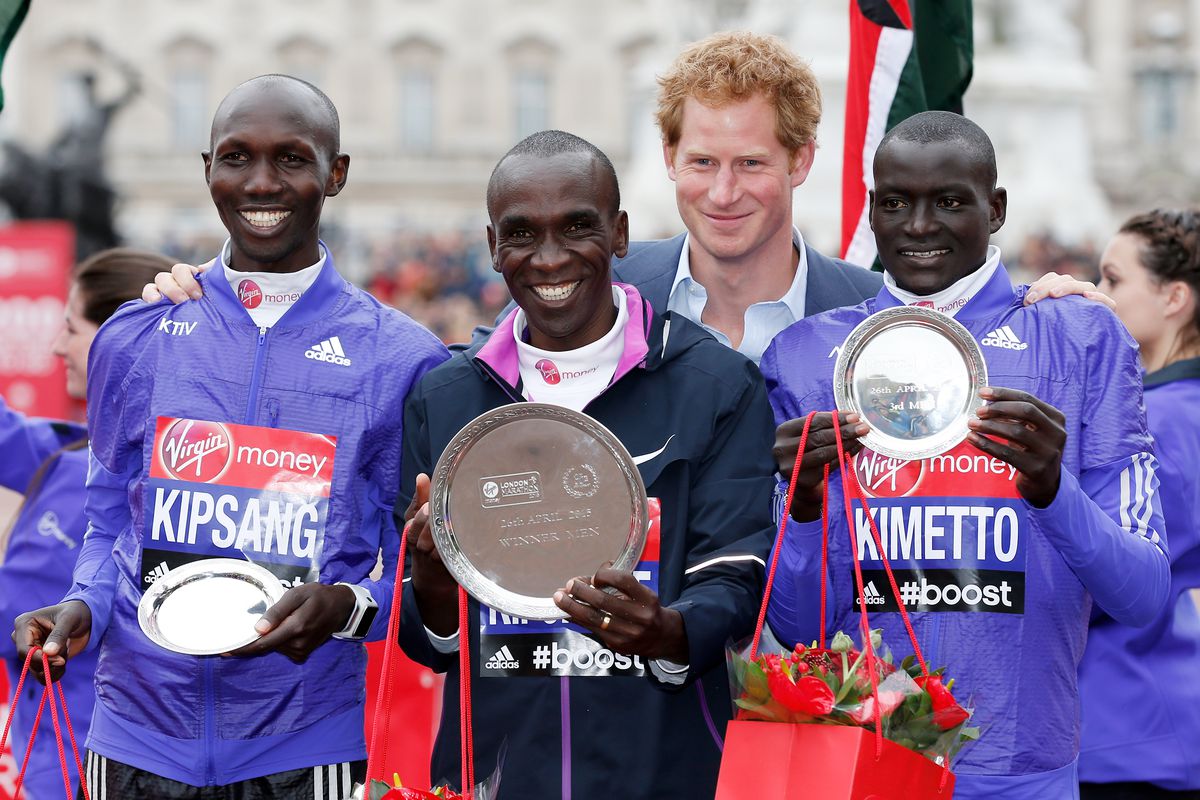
<point x="945" y="50"/>
<point x="939" y="68"/>
<point x="12" y="14"/>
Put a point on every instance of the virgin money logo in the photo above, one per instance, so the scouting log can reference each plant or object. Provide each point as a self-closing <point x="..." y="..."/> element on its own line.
<point x="549" y="371"/>
<point x="884" y="476"/>
<point x="924" y="304"/>
<point x="250" y="294"/>
<point x="196" y="450"/>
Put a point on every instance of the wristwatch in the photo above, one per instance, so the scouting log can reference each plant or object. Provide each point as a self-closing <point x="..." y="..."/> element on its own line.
<point x="365" y="609"/>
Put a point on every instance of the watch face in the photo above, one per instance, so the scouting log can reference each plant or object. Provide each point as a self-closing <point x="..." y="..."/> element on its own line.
<point x="364" y="624"/>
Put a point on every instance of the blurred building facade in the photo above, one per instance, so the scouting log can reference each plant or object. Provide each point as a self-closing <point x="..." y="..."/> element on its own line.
<point x="1093" y="104"/>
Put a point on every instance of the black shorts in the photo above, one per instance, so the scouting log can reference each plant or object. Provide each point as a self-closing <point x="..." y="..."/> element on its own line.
<point x="111" y="780"/>
<point x="1132" y="791"/>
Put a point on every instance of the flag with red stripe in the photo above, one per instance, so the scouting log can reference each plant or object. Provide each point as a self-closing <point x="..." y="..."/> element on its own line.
<point x="906" y="56"/>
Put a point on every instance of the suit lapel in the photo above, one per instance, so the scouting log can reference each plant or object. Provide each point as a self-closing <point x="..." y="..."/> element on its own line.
<point x="826" y="287"/>
<point x="652" y="269"/>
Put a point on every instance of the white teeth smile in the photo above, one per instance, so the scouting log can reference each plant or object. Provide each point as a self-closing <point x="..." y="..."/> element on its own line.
<point x="265" y="219"/>
<point x="923" y="253"/>
<point x="559" y="292"/>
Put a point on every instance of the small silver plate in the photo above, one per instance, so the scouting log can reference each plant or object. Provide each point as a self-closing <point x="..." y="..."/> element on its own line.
<point x="529" y="495"/>
<point x="208" y="607"/>
<point x="914" y="374"/>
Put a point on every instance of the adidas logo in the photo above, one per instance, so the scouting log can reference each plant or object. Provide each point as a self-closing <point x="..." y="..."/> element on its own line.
<point x="502" y="659"/>
<point x="1003" y="337"/>
<point x="158" y="572"/>
<point x="329" y="351"/>
<point x="871" y="595"/>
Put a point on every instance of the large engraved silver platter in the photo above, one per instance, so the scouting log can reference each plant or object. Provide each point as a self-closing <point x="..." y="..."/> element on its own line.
<point x="530" y="495"/>
<point x="914" y="374"/>
<point x="208" y="607"/>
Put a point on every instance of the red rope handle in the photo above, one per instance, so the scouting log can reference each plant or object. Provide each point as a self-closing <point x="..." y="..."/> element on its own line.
<point x="887" y="567"/>
<point x="783" y="518"/>
<point x="377" y="755"/>
<point x="466" y="736"/>
<point x="47" y="693"/>
<point x="824" y="544"/>
<point x="846" y="468"/>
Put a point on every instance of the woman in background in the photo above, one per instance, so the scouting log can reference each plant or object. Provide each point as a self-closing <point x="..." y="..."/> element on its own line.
<point x="46" y="460"/>
<point x="1140" y="687"/>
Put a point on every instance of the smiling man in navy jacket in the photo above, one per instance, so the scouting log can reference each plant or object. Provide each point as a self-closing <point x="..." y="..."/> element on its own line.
<point x="631" y="698"/>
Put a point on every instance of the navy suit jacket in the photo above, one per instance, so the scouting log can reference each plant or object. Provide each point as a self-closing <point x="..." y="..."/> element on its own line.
<point x="832" y="283"/>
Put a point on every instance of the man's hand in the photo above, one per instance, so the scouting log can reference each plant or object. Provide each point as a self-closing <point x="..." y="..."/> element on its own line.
<point x="179" y="285"/>
<point x="632" y="621"/>
<point x="62" y="631"/>
<point x="1035" y="439"/>
<point x="435" y="588"/>
<point x="820" y="450"/>
<point x="303" y="620"/>
<point x="1054" y="285"/>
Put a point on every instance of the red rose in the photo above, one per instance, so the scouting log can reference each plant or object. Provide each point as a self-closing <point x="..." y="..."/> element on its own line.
<point x="947" y="713"/>
<point x="809" y="695"/>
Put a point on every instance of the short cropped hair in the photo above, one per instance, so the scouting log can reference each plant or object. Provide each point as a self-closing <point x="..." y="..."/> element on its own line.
<point x="734" y="66"/>
<point x="546" y="144"/>
<point x="333" y="121"/>
<point x="929" y="127"/>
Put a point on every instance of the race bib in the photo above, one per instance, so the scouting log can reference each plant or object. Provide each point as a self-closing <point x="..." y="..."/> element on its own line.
<point x="953" y="527"/>
<point x="511" y="647"/>
<point x="220" y="490"/>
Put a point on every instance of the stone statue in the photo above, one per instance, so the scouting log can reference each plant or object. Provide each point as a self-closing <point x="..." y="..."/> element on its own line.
<point x="69" y="182"/>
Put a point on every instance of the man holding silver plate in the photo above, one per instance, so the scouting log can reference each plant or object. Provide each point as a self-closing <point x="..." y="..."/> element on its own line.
<point x="1004" y="452"/>
<point x="603" y="678"/>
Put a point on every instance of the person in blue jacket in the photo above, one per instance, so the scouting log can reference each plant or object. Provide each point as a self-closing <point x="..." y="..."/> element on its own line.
<point x="1002" y="545"/>
<point x="629" y="696"/>
<point x="261" y="422"/>
<point x="46" y="461"/>
<point x="1140" y="699"/>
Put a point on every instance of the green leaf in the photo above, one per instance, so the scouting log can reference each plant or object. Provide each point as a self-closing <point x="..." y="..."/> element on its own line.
<point x="377" y="790"/>
<point x="756" y="682"/>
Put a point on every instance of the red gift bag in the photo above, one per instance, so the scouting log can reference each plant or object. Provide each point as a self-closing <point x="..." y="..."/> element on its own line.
<point x="380" y="743"/>
<point x="833" y="762"/>
<point x="54" y="702"/>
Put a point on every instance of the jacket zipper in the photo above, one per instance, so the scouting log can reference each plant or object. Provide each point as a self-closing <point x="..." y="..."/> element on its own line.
<point x="210" y="722"/>
<point x="260" y="351"/>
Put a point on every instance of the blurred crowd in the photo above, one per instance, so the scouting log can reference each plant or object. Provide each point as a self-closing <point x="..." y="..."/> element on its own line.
<point x="445" y="280"/>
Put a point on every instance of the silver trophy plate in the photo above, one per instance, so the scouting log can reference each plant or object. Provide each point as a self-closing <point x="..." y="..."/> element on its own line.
<point x="530" y="495"/>
<point x="208" y="607"/>
<point x="914" y="375"/>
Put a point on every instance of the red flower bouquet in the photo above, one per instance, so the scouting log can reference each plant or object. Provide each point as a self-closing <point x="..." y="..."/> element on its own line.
<point x="833" y="686"/>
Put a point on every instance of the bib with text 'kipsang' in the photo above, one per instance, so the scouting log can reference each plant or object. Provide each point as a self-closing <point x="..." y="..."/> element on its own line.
<point x="220" y="490"/>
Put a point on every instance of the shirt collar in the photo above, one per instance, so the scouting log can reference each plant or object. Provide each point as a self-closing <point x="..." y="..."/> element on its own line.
<point x="313" y="304"/>
<point x="793" y="298"/>
<point x="227" y="254"/>
<point x="997" y="293"/>
<point x="500" y="350"/>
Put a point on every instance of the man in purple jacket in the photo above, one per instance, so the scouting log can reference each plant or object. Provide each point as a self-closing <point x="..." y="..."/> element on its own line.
<point x="1001" y="545"/>
<point x="194" y="411"/>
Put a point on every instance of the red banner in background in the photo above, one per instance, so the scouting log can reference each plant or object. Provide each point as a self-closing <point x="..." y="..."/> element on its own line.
<point x="35" y="267"/>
